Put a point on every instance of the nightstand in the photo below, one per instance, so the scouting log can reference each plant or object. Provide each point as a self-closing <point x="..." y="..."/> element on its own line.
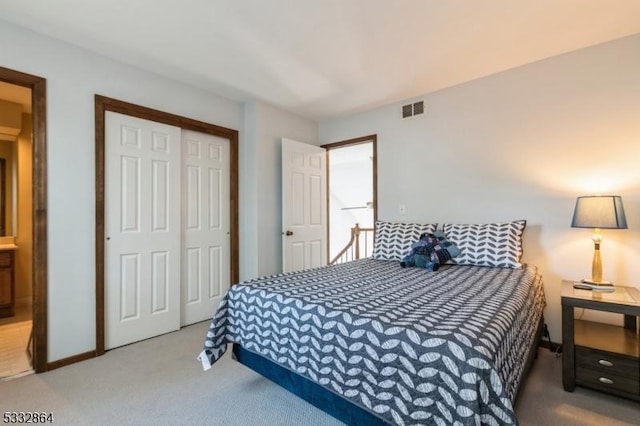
<point x="601" y="356"/>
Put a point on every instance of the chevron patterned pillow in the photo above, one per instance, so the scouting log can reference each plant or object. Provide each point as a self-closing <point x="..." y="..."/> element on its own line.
<point x="489" y="244"/>
<point x="393" y="240"/>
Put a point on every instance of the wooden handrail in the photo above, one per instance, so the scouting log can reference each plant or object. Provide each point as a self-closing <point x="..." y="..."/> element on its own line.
<point x="355" y="240"/>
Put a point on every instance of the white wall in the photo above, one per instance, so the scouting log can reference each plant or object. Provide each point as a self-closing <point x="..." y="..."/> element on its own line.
<point x="522" y="144"/>
<point x="261" y="184"/>
<point x="73" y="77"/>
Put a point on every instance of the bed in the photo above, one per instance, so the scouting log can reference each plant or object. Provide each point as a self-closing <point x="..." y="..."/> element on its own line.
<point x="372" y="342"/>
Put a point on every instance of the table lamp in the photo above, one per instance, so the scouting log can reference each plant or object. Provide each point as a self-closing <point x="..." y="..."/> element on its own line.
<point x="598" y="212"/>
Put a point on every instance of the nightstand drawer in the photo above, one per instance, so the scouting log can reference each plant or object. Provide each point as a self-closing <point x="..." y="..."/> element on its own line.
<point x="608" y="362"/>
<point x="608" y="382"/>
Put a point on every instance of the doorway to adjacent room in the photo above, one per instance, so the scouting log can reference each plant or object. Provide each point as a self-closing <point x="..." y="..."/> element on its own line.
<point x="352" y="198"/>
<point x="23" y="293"/>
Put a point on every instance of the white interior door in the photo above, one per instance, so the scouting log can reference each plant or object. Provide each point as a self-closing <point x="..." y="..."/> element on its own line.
<point x="142" y="227"/>
<point x="304" y="206"/>
<point x="206" y="248"/>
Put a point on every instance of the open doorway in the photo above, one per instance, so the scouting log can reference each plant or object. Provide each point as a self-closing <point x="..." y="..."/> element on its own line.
<point x="16" y="231"/>
<point x="352" y="198"/>
<point x="25" y="206"/>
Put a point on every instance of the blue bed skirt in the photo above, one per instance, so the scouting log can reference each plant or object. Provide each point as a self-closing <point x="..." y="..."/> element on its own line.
<point x="311" y="392"/>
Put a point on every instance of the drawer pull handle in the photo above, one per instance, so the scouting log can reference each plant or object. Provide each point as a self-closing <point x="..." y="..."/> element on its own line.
<point x="605" y="380"/>
<point x="605" y="363"/>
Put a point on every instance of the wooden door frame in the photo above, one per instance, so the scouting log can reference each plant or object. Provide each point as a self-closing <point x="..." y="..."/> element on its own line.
<point x="342" y="144"/>
<point x="39" y="265"/>
<point x="103" y="104"/>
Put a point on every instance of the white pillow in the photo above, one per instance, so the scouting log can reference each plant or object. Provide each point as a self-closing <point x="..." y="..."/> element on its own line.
<point x="489" y="244"/>
<point x="393" y="240"/>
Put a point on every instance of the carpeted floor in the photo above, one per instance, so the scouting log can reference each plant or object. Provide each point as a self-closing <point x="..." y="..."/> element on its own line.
<point x="158" y="381"/>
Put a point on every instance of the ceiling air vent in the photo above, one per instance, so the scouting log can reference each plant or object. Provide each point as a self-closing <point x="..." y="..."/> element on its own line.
<point x="411" y="110"/>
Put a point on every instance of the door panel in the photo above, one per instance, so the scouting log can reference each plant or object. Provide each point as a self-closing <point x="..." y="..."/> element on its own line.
<point x="159" y="282"/>
<point x="206" y="245"/>
<point x="304" y="208"/>
<point x="142" y="228"/>
<point x="297" y="204"/>
<point x="159" y="195"/>
<point x="130" y="286"/>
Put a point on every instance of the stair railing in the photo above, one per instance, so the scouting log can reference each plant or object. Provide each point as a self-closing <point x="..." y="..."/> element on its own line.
<point x="352" y="251"/>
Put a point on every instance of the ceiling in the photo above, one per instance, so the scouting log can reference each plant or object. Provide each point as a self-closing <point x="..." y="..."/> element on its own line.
<point x="329" y="58"/>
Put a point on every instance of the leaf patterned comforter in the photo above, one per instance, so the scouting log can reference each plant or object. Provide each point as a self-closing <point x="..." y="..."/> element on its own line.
<point x="411" y="346"/>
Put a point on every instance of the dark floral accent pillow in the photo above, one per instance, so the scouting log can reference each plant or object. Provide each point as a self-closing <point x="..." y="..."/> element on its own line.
<point x="430" y="251"/>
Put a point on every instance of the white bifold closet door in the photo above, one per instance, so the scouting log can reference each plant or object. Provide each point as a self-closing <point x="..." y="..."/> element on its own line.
<point x="142" y="228"/>
<point x="167" y="223"/>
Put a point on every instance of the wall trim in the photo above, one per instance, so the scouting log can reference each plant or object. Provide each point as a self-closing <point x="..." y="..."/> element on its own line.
<point x="71" y="360"/>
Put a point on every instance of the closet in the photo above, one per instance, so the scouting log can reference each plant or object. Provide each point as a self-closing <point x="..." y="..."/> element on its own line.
<point x="167" y="227"/>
